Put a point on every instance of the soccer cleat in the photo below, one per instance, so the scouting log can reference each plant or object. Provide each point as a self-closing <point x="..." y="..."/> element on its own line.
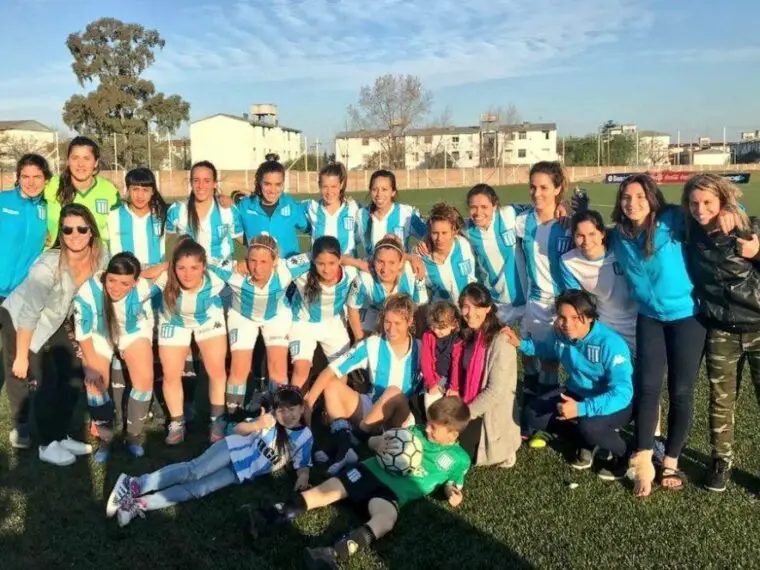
<point x="20" y="438"/>
<point x="320" y="558"/>
<point x="76" y="447"/>
<point x="129" y="508"/>
<point x="584" y="459"/>
<point x="122" y="488"/>
<point x="349" y="459"/>
<point x="615" y="469"/>
<point x="176" y="433"/>
<point x="539" y="440"/>
<point x="103" y="452"/>
<point x="719" y="476"/>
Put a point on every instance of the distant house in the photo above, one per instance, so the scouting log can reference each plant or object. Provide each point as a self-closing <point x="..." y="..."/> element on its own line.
<point x="27" y="135"/>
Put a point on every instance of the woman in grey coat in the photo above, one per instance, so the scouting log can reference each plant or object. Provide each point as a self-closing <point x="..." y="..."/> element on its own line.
<point x="485" y="375"/>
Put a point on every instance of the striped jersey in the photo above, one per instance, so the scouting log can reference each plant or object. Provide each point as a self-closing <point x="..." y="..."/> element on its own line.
<point x="605" y="280"/>
<point x="446" y="280"/>
<point x="131" y="312"/>
<point x="543" y="245"/>
<point x="140" y="235"/>
<point x="402" y="220"/>
<point x="367" y="292"/>
<point x="263" y="303"/>
<point x="216" y="232"/>
<point x="329" y="303"/>
<point x="375" y="355"/>
<point x="193" y="309"/>
<point x="341" y="224"/>
<point x="256" y="454"/>
<point x="500" y="263"/>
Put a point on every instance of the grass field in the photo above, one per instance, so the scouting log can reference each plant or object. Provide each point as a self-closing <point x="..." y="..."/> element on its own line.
<point x="527" y="517"/>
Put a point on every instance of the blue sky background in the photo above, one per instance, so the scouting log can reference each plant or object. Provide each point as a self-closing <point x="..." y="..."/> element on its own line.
<point x="665" y="65"/>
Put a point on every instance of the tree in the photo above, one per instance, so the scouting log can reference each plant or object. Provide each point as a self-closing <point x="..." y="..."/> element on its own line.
<point x="114" y="55"/>
<point x="439" y="159"/>
<point x="14" y="147"/>
<point x="389" y="108"/>
<point x="581" y="151"/>
<point x="653" y="149"/>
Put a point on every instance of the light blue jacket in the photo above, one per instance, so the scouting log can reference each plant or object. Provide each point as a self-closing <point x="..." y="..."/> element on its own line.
<point x="288" y="218"/>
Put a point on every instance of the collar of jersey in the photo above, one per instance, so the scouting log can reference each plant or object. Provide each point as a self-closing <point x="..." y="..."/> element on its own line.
<point x="94" y="183"/>
<point x="36" y="200"/>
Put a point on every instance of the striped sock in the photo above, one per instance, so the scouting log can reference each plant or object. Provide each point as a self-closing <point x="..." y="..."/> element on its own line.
<point x="137" y="412"/>
<point x="235" y="396"/>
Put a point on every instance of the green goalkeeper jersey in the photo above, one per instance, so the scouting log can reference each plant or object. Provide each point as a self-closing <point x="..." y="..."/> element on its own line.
<point x="99" y="199"/>
<point x="441" y="464"/>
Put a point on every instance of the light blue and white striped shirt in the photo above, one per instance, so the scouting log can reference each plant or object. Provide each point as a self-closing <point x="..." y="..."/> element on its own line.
<point x="329" y="303"/>
<point x="140" y="235"/>
<point x="375" y="355"/>
<point x="196" y="308"/>
<point x="341" y="224"/>
<point x="256" y="454"/>
<point x="446" y="280"/>
<point x="367" y="293"/>
<point x="402" y="220"/>
<point x="216" y="232"/>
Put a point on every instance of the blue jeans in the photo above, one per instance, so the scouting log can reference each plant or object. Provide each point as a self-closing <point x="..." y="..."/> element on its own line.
<point x="194" y="479"/>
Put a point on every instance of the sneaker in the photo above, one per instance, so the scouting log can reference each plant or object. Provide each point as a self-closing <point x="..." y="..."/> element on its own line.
<point x="718" y="478"/>
<point x="218" y="429"/>
<point x="320" y="558"/>
<point x="135" y="449"/>
<point x="121" y="489"/>
<point x="56" y="454"/>
<point x="20" y="438"/>
<point x="615" y="469"/>
<point x="129" y="508"/>
<point x="176" y="433"/>
<point x="349" y="459"/>
<point x="584" y="459"/>
<point x="103" y="452"/>
<point x="539" y="440"/>
<point x="76" y="447"/>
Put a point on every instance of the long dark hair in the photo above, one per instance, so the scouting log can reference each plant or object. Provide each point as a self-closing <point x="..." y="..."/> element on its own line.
<point x="96" y="245"/>
<point x="192" y="210"/>
<point x="185" y="247"/>
<point x="657" y="205"/>
<point x="589" y="216"/>
<point x="484" y="190"/>
<point x="324" y="244"/>
<point x="32" y="159"/>
<point x="335" y="169"/>
<point x="556" y="172"/>
<point x="375" y="175"/>
<point x="480" y="297"/>
<point x="65" y="192"/>
<point x="145" y="177"/>
<point x="271" y="164"/>
<point x="285" y="397"/>
<point x="123" y="263"/>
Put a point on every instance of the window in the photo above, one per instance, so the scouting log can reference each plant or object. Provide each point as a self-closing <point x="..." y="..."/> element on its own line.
<point x="455" y="155"/>
<point x="522" y="153"/>
<point x="455" y="139"/>
<point x="428" y="139"/>
<point x="365" y="142"/>
<point x="523" y="135"/>
<point x="513" y="136"/>
<point x="546" y="135"/>
<point x="416" y="157"/>
<point x="469" y="155"/>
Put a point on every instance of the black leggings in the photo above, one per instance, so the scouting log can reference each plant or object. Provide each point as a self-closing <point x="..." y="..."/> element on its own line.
<point x="675" y="346"/>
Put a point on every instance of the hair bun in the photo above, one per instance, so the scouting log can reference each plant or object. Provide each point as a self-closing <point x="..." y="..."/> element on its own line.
<point x="272" y="157"/>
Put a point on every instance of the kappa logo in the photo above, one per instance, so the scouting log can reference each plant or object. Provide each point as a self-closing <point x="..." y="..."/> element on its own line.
<point x="593" y="353"/>
<point x="563" y="244"/>
<point x="509" y="237"/>
<point x="101" y="206"/>
<point x="9" y="211"/>
<point x="619" y="359"/>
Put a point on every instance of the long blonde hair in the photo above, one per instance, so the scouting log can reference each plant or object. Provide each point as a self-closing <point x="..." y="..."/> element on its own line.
<point x="727" y="192"/>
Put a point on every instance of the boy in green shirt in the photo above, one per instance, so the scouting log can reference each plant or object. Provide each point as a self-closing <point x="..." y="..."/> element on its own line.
<point x="444" y="463"/>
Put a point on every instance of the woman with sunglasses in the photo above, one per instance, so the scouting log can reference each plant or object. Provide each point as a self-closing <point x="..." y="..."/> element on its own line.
<point x="38" y="350"/>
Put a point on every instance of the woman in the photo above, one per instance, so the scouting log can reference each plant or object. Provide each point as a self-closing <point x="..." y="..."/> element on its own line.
<point x="23" y="220"/>
<point x="215" y="227"/>
<point x="592" y="267"/>
<point x="80" y="184"/>
<point x="271" y="212"/>
<point x="389" y="274"/>
<point x="450" y="266"/>
<point x="648" y="240"/>
<point x="318" y="306"/>
<point x="485" y="366"/>
<point x="192" y="309"/>
<point x="599" y="391"/>
<point x="334" y="214"/>
<point x="725" y="270"/>
<point x="110" y="316"/>
<point x="392" y="360"/>
<point x="386" y="216"/>
<point x="37" y="349"/>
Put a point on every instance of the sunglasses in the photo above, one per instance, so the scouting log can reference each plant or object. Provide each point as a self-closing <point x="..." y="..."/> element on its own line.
<point x="82" y="230"/>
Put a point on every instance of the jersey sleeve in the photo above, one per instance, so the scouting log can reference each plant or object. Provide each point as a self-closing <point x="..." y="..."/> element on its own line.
<point x="520" y="224"/>
<point x="569" y="281"/>
<point x="172" y="219"/>
<point x="618" y="370"/>
<point x="459" y="471"/>
<point x="417" y="226"/>
<point x="298" y="265"/>
<point x="530" y="347"/>
<point x="468" y="255"/>
<point x="420" y="295"/>
<point x="300" y="209"/>
<point x="302" y="448"/>
<point x="355" y="359"/>
<point x="220" y="272"/>
<point x="237" y="222"/>
<point x="84" y="317"/>
<point x="357" y="296"/>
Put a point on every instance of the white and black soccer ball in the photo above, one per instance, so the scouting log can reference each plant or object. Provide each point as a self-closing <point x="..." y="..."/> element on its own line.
<point x="403" y="454"/>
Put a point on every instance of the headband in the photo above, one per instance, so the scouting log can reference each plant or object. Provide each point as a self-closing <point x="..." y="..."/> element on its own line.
<point x="389" y="245"/>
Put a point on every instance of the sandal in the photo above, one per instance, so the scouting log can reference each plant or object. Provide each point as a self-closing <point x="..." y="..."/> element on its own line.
<point x="672" y="475"/>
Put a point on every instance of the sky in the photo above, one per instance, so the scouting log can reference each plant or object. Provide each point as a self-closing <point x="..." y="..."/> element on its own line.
<point x="688" y="66"/>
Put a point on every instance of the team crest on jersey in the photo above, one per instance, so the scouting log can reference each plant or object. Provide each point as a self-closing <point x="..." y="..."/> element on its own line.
<point x="233" y="336"/>
<point x="594" y="353"/>
<point x="509" y="237"/>
<point x="101" y="206"/>
<point x="348" y="224"/>
<point x="354" y="475"/>
<point x="166" y="331"/>
<point x="563" y="244"/>
<point x="157" y="228"/>
<point x="616" y="268"/>
<point x="465" y="266"/>
<point x="41" y="212"/>
<point x="222" y="230"/>
<point x="399" y="231"/>
<point x="444" y="461"/>
<point x="285" y="211"/>
<point x="295" y="348"/>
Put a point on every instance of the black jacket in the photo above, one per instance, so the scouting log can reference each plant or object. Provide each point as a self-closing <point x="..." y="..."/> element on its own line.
<point x="726" y="285"/>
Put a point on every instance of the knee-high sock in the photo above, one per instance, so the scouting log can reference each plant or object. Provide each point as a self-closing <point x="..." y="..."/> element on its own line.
<point x="235" y="397"/>
<point x="118" y="388"/>
<point x="137" y="413"/>
<point x="101" y="412"/>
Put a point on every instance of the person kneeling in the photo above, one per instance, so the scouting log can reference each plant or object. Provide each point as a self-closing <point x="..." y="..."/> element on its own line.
<point x="443" y="463"/>
<point x="599" y="388"/>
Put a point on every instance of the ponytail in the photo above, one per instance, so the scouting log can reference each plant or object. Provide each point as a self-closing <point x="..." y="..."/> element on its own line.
<point x="65" y="192"/>
<point x="271" y="164"/>
<point x="556" y="172"/>
<point x="336" y="169"/>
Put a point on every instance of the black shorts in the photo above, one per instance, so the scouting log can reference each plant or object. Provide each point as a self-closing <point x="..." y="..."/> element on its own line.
<point x="362" y="486"/>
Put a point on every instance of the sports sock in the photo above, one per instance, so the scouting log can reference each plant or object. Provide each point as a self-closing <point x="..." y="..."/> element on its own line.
<point x="235" y="396"/>
<point x="341" y="432"/>
<point x="137" y="413"/>
<point x="358" y="539"/>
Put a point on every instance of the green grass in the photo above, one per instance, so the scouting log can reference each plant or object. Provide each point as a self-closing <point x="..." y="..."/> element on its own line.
<point x="526" y="517"/>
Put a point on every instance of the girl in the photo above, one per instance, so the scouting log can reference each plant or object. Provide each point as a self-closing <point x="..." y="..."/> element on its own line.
<point x="318" y="306"/>
<point x="450" y="267"/>
<point x="271" y="212"/>
<point x="392" y="360"/>
<point x="384" y="215"/>
<point x="389" y="274"/>
<point x="592" y="267"/>
<point x="439" y="342"/>
<point x="648" y="243"/>
<point x="257" y="448"/>
<point x="192" y="309"/>
<point x="38" y="352"/>
<point x="109" y="316"/>
<point x="80" y="184"/>
<point x="599" y="391"/>
<point x="215" y="227"/>
<point x="725" y="270"/>
<point x="333" y="215"/>
<point x="259" y="303"/>
<point x="23" y="220"/>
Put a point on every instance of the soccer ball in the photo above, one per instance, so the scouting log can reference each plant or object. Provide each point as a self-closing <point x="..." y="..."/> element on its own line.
<point x="403" y="454"/>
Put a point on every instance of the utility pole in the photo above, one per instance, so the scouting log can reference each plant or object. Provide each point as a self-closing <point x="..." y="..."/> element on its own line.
<point x="316" y="151"/>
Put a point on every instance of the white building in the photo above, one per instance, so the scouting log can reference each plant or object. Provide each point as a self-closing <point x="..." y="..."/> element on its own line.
<point x="20" y="137"/>
<point x="242" y="143"/>
<point x="653" y="148"/>
<point x="464" y="147"/>
<point x="749" y="143"/>
<point x="711" y="157"/>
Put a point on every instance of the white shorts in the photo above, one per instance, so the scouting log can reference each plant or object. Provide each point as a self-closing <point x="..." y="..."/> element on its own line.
<point x="104" y="348"/>
<point x="538" y="320"/>
<point x="173" y="335"/>
<point x="508" y="314"/>
<point x="243" y="332"/>
<point x="330" y="334"/>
